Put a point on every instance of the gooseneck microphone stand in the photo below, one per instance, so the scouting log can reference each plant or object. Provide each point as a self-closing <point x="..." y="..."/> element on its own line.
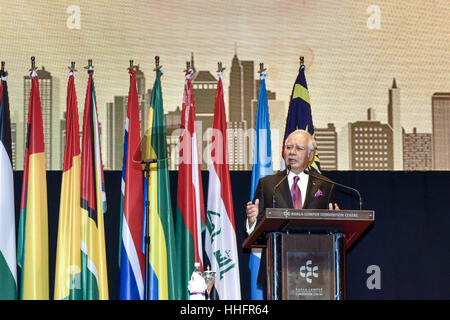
<point x="146" y="168"/>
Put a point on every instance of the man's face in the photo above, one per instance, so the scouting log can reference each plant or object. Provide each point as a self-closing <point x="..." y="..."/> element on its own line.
<point x="296" y="152"/>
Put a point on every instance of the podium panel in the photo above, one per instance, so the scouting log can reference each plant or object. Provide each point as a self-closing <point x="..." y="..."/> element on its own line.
<point x="306" y="250"/>
<point x="305" y="266"/>
<point x="352" y="223"/>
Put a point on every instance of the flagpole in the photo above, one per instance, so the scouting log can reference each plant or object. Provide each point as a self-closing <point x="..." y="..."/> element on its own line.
<point x="3" y="72"/>
<point x="72" y="67"/>
<point x="146" y="168"/>
<point x="147" y="236"/>
<point x="89" y="67"/>
<point x="33" y="64"/>
<point x="261" y="68"/>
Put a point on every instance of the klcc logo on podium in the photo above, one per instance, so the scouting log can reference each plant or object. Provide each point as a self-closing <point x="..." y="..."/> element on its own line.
<point x="310" y="271"/>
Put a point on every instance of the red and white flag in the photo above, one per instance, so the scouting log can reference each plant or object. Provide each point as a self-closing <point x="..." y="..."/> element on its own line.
<point x="190" y="214"/>
<point x="220" y="240"/>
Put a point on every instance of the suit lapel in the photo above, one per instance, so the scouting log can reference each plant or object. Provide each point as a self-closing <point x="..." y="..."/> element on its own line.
<point x="283" y="194"/>
<point x="310" y="190"/>
<point x="314" y="200"/>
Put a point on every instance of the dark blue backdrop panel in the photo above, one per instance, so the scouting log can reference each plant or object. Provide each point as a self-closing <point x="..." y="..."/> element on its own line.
<point x="408" y="242"/>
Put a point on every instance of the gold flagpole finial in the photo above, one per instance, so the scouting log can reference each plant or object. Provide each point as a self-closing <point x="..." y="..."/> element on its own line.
<point x="33" y="64"/>
<point x="89" y="67"/>
<point x="72" y="67"/>
<point x="302" y="61"/>
<point x="157" y="66"/>
<point x="3" y="72"/>
<point x="219" y="67"/>
<point x="261" y="68"/>
<point x="188" y="66"/>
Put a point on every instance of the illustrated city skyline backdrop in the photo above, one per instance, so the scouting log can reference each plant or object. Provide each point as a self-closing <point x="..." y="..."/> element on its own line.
<point x="353" y="51"/>
<point x="367" y="144"/>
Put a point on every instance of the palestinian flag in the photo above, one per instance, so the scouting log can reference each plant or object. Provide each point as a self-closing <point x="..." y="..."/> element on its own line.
<point x="8" y="265"/>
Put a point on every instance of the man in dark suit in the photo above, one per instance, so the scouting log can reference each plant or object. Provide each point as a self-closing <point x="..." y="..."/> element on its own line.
<point x="299" y="190"/>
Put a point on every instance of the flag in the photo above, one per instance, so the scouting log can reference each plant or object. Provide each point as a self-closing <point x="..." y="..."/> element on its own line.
<point x="262" y="166"/>
<point x="94" y="278"/>
<point x="68" y="252"/>
<point x="220" y="240"/>
<point x="190" y="212"/>
<point x="8" y="265"/>
<point x="32" y="247"/>
<point x="132" y="257"/>
<point x="299" y="114"/>
<point x="162" y="283"/>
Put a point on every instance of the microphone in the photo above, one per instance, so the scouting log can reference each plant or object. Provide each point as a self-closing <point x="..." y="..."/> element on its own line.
<point x="306" y="171"/>
<point x="288" y="169"/>
<point x="147" y="161"/>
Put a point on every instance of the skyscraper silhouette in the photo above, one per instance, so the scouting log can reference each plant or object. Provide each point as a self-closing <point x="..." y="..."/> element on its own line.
<point x="440" y="113"/>
<point x="417" y="151"/>
<point x="394" y="123"/>
<point x="242" y="91"/>
<point x="326" y="139"/>
<point x="204" y="86"/>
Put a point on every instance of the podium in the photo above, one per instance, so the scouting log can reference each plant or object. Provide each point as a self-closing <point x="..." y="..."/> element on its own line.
<point x="306" y="250"/>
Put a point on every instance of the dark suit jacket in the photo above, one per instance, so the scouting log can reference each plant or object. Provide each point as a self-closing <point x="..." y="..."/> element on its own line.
<point x="313" y="200"/>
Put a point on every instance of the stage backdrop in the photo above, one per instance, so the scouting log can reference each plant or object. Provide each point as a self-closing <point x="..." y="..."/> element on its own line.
<point x="403" y="255"/>
<point x="377" y="72"/>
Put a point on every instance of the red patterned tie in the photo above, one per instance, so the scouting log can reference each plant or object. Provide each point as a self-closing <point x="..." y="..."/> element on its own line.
<point x="296" y="194"/>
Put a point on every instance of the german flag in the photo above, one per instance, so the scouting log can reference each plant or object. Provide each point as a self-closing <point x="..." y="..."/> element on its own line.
<point x="94" y="278"/>
<point x="32" y="248"/>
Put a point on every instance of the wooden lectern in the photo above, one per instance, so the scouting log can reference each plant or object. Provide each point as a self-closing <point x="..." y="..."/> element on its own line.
<point x="306" y="250"/>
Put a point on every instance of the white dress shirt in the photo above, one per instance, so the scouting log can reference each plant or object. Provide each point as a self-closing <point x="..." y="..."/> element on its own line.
<point x="302" y="183"/>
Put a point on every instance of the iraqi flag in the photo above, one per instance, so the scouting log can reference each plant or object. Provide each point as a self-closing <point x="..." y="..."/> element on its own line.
<point x="190" y="212"/>
<point x="32" y="245"/>
<point x="68" y="252"/>
<point x="94" y="277"/>
<point x="132" y="257"/>
<point x="220" y="239"/>
<point x="8" y="266"/>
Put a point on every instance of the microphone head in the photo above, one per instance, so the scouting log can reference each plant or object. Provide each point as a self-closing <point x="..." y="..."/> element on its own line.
<point x="288" y="167"/>
<point x="306" y="171"/>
